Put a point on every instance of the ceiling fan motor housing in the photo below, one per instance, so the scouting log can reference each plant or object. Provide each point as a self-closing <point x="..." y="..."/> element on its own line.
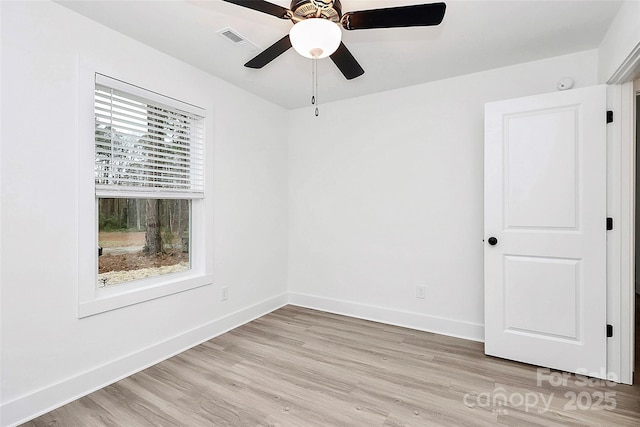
<point x="327" y="9"/>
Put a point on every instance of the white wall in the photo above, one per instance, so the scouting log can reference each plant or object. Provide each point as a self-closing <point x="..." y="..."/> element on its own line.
<point x="386" y="193"/>
<point x="620" y="43"/>
<point x="380" y="194"/>
<point x="48" y="354"/>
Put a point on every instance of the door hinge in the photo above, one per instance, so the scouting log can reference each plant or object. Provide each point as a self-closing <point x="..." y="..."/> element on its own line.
<point x="609" y="331"/>
<point x="609" y="116"/>
<point x="609" y="224"/>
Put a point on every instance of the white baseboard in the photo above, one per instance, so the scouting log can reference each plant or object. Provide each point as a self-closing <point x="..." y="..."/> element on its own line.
<point x="421" y="322"/>
<point x="27" y="407"/>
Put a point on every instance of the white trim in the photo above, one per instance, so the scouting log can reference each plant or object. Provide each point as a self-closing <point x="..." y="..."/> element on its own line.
<point x="117" y="296"/>
<point x="629" y="69"/>
<point x="406" y="319"/>
<point x="621" y="204"/>
<point x="620" y="241"/>
<point x="627" y="232"/>
<point x="29" y="406"/>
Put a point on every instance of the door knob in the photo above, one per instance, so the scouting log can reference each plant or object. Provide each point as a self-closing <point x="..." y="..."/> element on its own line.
<point x="493" y="241"/>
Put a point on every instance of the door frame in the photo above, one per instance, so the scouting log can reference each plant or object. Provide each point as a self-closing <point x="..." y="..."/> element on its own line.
<point x="621" y="203"/>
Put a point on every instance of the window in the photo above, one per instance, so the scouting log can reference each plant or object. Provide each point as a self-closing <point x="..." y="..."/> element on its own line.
<point x="144" y="191"/>
<point x="149" y="168"/>
<point x="141" y="238"/>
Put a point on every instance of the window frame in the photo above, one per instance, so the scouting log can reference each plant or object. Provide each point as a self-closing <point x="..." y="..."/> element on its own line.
<point x="91" y="298"/>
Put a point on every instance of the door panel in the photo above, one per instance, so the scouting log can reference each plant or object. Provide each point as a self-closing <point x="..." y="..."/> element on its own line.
<point x="545" y="203"/>
<point x="535" y="197"/>
<point x="527" y="301"/>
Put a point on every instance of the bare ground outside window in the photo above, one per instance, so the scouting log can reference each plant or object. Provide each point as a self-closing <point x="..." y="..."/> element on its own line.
<point x="124" y="259"/>
<point x="141" y="238"/>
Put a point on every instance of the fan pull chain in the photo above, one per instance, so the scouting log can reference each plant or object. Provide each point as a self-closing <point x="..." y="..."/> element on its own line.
<point x="313" y="88"/>
<point x="314" y="83"/>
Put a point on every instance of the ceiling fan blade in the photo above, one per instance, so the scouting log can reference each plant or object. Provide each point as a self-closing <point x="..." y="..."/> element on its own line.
<point x="270" y="53"/>
<point x="346" y="63"/>
<point x="420" y="15"/>
<point x="264" y="7"/>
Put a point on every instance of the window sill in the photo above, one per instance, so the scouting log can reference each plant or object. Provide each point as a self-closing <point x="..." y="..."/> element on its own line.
<point x="115" y="297"/>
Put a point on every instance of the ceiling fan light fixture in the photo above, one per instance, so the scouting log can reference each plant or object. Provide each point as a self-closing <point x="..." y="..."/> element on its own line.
<point x="315" y="37"/>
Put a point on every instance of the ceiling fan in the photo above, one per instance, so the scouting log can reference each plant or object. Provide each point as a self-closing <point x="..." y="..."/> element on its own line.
<point x="316" y="33"/>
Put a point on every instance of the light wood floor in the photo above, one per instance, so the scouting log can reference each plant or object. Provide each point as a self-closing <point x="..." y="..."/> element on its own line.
<point x="300" y="367"/>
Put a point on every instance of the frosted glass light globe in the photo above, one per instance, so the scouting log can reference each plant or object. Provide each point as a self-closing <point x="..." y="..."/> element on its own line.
<point x="315" y="37"/>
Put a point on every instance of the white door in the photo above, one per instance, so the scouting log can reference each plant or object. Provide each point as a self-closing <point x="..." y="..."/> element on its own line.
<point x="545" y="230"/>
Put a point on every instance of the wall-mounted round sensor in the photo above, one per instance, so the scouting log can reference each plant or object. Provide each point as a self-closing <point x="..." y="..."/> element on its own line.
<point x="565" y="83"/>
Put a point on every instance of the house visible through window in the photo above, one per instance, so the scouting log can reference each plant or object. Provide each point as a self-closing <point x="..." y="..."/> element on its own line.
<point x="149" y="176"/>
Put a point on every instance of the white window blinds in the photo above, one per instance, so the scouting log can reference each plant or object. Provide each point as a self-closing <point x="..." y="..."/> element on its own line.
<point x="146" y="144"/>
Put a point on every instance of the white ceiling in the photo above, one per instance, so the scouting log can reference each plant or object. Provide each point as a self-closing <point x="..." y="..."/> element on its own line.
<point x="475" y="35"/>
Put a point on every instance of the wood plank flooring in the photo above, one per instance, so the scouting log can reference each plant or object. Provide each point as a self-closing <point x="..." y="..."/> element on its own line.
<point x="300" y="367"/>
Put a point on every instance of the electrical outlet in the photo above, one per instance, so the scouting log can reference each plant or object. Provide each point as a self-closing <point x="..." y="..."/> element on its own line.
<point x="420" y="292"/>
<point x="224" y="294"/>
